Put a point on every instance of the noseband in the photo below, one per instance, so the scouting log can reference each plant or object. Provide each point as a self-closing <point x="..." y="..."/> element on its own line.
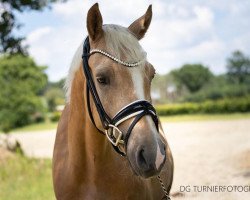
<point x="136" y="109"/>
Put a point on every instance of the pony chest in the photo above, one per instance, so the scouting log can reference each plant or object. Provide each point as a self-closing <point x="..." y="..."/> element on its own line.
<point x="120" y="189"/>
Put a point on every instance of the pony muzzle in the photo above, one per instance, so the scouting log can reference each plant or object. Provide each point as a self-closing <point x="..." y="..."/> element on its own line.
<point x="148" y="157"/>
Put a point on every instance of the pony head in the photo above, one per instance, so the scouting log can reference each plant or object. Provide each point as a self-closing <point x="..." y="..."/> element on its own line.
<point x="118" y="85"/>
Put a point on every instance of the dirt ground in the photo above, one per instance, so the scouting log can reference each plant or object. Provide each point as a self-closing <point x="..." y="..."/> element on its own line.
<point x="210" y="153"/>
<point x="206" y="153"/>
<point x="37" y="144"/>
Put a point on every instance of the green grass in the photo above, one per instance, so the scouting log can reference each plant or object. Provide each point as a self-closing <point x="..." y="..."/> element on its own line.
<point x="37" y="127"/>
<point x="25" y="179"/>
<point x="173" y="118"/>
<point x="204" y="117"/>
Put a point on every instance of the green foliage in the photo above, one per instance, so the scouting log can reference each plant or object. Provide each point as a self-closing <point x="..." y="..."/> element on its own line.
<point x="195" y="83"/>
<point x="10" y="43"/>
<point x="55" y="116"/>
<point x="205" y="117"/>
<point x="54" y="97"/>
<point x="219" y="88"/>
<point x="238" y="66"/>
<point x="220" y="106"/>
<point x="58" y="84"/>
<point x="176" y="109"/>
<point x="215" y="93"/>
<point x="46" y="125"/>
<point x="160" y="85"/>
<point x="25" y="178"/>
<point x="54" y="94"/>
<point x="192" y="76"/>
<point x="38" y="117"/>
<point x="21" y="81"/>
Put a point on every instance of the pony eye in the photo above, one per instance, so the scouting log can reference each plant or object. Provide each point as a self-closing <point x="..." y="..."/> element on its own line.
<point x="102" y="80"/>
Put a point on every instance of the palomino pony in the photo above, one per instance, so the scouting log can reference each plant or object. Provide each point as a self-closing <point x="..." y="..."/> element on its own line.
<point x="108" y="91"/>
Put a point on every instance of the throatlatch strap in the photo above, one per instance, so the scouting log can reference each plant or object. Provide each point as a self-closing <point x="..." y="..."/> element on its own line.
<point x="102" y="114"/>
<point x="89" y="110"/>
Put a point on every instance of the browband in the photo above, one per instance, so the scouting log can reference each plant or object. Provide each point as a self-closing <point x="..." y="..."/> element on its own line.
<point x="116" y="59"/>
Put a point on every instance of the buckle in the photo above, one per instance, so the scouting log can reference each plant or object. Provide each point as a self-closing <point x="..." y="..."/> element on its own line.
<point x="114" y="135"/>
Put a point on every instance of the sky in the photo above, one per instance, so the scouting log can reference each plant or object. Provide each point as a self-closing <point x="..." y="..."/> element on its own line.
<point x="181" y="31"/>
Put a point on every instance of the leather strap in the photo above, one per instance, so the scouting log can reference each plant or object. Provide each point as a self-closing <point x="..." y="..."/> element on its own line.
<point x="91" y="86"/>
<point x="90" y="111"/>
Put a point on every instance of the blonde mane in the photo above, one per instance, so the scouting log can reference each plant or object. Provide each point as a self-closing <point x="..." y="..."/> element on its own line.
<point x="120" y="43"/>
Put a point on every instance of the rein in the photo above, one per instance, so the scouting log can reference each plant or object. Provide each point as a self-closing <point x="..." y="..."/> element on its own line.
<point x="136" y="109"/>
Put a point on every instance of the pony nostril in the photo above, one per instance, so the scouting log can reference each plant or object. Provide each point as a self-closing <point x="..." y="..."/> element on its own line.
<point x="141" y="158"/>
<point x="162" y="147"/>
<point x="144" y="159"/>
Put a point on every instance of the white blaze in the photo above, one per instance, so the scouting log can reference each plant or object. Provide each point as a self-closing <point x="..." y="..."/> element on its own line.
<point x="137" y="78"/>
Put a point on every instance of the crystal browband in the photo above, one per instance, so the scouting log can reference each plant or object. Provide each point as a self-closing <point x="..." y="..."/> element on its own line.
<point x="115" y="59"/>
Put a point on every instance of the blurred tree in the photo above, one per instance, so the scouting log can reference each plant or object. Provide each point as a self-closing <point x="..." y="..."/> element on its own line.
<point x="9" y="43"/>
<point x="238" y="66"/>
<point x="21" y="81"/>
<point x="57" y="84"/>
<point x="54" y="95"/>
<point x="219" y="88"/>
<point x="163" y="89"/>
<point x="192" y="76"/>
<point x="159" y="88"/>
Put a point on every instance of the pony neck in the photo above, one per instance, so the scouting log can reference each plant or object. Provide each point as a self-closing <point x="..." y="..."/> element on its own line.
<point x="86" y="145"/>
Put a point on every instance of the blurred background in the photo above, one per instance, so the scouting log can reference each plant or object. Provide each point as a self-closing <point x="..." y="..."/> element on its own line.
<point x="201" y="53"/>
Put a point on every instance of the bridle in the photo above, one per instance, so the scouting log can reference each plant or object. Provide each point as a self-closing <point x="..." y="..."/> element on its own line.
<point x="136" y="109"/>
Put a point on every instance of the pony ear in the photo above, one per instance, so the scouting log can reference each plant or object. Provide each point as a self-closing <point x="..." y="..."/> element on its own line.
<point x="94" y="22"/>
<point x="140" y="26"/>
